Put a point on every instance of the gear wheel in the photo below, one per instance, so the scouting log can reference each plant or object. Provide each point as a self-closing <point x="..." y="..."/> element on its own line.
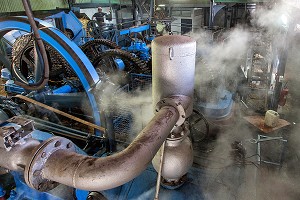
<point x="24" y="62"/>
<point x="132" y="63"/>
<point x="199" y="126"/>
<point x="94" y="47"/>
<point x="93" y="29"/>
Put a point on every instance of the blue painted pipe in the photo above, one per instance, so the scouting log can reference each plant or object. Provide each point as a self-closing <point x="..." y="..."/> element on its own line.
<point x="63" y="89"/>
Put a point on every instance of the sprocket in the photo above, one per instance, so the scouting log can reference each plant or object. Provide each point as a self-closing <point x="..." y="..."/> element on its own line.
<point x="24" y="62"/>
<point x="94" y="47"/>
<point x="132" y="63"/>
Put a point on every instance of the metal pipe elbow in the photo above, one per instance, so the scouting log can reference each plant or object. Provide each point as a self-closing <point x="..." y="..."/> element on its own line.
<point x="95" y="174"/>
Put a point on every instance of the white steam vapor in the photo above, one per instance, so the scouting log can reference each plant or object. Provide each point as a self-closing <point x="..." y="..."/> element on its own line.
<point x="279" y="15"/>
<point x="217" y="61"/>
<point x="231" y="45"/>
<point x="119" y="101"/>
<point x="278" y="23"/>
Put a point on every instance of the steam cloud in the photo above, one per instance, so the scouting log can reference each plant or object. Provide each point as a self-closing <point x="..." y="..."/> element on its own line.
<point x="134" y="108"/>
<point x="227" y="178"/>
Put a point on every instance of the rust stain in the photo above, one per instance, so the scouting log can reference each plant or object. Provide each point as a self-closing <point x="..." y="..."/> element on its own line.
<point x="149" y="136"/>
<point x="258" y="122"/>
<point x="169" y="115"/>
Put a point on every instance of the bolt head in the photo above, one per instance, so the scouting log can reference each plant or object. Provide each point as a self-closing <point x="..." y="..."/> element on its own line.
<point x="57" y="144"/>
<point x="43" y="155"/>
<point x="69" y="145"/>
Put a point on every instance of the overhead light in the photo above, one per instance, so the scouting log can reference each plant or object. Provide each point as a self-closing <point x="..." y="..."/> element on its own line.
<point x="161" y="5"/>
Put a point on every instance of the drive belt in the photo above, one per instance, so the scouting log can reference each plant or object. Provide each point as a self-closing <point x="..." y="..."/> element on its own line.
<point x="61" y="112"/>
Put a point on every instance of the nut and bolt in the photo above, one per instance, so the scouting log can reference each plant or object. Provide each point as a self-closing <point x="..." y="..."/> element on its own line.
<point x="57" y="144"/>
<point x="37" y="173"/>
<point x="69" y="145"/>
<point x="43" y="155"/>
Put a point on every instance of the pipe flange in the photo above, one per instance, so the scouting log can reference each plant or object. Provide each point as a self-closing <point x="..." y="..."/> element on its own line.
<point x="176" y="104"/>
<point x="33" y="171"/>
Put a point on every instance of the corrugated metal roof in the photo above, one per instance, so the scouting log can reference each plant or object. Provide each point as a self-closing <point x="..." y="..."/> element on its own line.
<point x="242" y="1"/>
<point x="17" y="6"/>
<point x="195" y="2"/>
<point x="184" y="3"/>
<point x="104" y="1"/>
<point x="83" y="1"/>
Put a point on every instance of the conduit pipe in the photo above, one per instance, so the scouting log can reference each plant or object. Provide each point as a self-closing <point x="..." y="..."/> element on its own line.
<point x="95" y="174"/>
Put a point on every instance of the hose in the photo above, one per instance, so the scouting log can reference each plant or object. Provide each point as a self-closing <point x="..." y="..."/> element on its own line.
<point x="40" y="84"/>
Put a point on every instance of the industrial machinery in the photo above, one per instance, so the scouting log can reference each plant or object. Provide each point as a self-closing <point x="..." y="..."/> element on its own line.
<point x="64" y="135"/>
<point x="72" y="81"/>
<point x="48" y="161"/>
<point x="69" y="87"/>
<point x="134" y="40"/>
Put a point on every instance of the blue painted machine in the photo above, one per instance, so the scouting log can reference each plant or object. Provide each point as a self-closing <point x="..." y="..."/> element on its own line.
<point x="73" y="77"/>
<point x="131" y="39"/>
<point x="72" y="63"/>
<point x="33" y="143"/>
<point x="69" y="24"/>
<point x="138" y="46"/>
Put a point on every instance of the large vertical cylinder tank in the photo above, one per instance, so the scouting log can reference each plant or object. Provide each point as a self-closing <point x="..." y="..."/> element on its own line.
<point x="173" y="67"/>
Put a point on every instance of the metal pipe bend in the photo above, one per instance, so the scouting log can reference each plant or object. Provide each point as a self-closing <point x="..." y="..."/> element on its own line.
<point x="96" y="174"/>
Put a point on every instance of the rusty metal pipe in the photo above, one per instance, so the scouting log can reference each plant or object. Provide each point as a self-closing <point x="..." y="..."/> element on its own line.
<point x="17" y="158"/>
<point x="95" y="174"/>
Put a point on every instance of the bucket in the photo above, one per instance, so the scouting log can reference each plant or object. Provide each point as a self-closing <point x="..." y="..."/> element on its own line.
<point x="271" y="118"/>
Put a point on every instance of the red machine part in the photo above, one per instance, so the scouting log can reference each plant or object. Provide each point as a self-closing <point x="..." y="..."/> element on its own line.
<point x="283" y="96"/>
